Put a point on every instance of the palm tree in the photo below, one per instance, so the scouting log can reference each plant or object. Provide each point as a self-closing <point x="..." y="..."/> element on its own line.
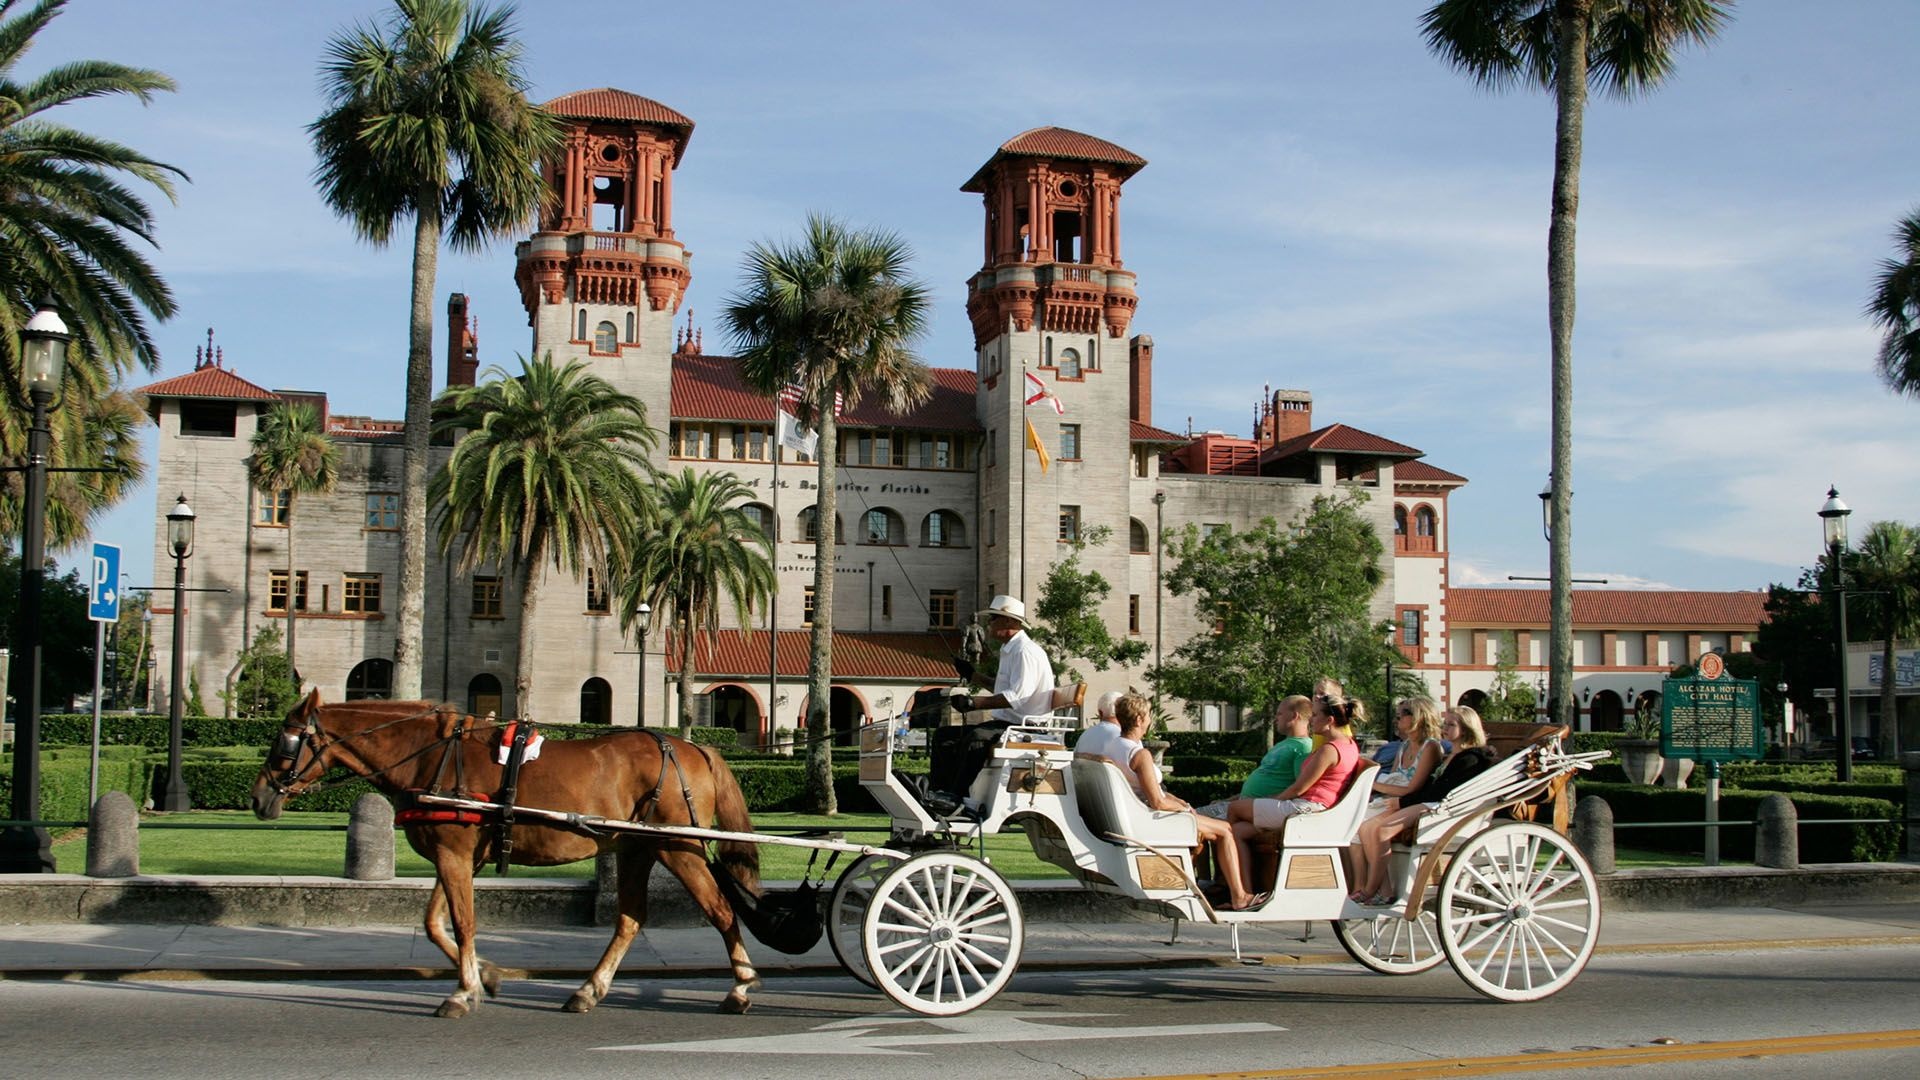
<point x="838" y="314"/>
<point x="553" y="471"/>
<point x="1887" y="569"/>
<point x="68" y="230"/>
<point x="292" y="453"/>
<point x="428" y="118"/>
<point x="1896" y="308"/>
<point x="699" y="550"/>
<point x="1623" y="48"/>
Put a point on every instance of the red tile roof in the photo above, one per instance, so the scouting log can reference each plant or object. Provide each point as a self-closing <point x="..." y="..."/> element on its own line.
<point x="209" y="381"/>
<point x="1339" y="439"/>
<point x="1147" y="433"/>
<point x="926" y="658"/>
<point x="1610" y="608"/>
<point x="606" y="103"/>
<point x="1058" y="142"/>
<point x="1419" y="472"/>
<point x="710" y="388"/>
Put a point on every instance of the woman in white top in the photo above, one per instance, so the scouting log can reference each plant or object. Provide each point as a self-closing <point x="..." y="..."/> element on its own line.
<point x="1417" y="722"/>
<point x="1136" y="761"/>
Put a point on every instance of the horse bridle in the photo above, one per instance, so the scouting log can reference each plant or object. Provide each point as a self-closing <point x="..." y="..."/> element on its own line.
<point x="287" y="748"/>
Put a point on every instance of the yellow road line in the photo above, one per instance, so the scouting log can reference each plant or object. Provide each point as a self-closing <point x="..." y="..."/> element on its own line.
<point x="1586" y="1059"/>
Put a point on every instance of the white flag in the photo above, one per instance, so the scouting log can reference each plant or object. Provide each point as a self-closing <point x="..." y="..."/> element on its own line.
<point x="793" y="436"/>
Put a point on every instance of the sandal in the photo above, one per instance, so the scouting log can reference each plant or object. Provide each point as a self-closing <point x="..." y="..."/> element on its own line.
<point x="1254" y="903"/>
<point x="1382" y="900"/>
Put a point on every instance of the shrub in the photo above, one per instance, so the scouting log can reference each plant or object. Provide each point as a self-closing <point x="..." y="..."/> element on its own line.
<point x="1249" y="743"/>
<point x="721" y="737"/>
<point x="63" y="780"/>
<point x="1818" y="843"/>
<point x="1208" y="765"/>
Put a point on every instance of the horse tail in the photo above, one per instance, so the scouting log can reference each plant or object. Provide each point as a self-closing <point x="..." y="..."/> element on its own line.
<point x="741" y="858"/>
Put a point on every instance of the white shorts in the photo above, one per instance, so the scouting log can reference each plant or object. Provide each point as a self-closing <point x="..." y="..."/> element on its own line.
<point x="1273" y="813"/>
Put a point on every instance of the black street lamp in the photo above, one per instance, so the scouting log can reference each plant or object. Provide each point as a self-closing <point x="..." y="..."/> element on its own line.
<point x="26" y="849"/>
<point x="171" y="792"/>
<point x="645" y="611"/>
<point x="1833" y="527"/>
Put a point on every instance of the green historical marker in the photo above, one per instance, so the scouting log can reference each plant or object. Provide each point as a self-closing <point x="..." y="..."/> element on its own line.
<point x="1712" y="717"/>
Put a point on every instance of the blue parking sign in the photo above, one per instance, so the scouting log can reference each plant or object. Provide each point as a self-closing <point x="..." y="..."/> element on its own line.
<point x="103" y="591"/>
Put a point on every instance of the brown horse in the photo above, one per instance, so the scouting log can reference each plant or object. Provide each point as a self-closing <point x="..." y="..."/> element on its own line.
<point x="409" y="747"/>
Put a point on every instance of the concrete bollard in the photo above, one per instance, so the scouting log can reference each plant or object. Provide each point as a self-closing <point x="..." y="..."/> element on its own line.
<point x="1776" y="834"/>
<point x="113" y="837"/>
<point x="1593" y="832"/>
<point x="1910" y="761"/>
<point x="606" y="888"/>
<point x="370" y="839"/>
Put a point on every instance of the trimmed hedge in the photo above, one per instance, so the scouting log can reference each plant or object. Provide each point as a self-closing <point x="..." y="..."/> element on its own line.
<point x="1818" y="843"/>
<point x="1249" y="743"/>
<point x="63" y="779"/>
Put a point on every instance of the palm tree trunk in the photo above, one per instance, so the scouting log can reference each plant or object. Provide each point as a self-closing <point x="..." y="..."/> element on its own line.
<point x="1570" y="84"/>
<point x="409" y="639"/>
<point x="293" y="596"/>
<point x="820" y="797"/>
<point x="531" y="571"/>
<point x="686" y="673"/>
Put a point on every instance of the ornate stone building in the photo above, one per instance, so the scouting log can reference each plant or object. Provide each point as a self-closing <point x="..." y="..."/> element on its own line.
<point x="940" y="509"/>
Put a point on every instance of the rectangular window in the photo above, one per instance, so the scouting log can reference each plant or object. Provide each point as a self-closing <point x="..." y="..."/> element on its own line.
<point x="936" y="452"/>
<point x="361" y="593"/>
<point x="750" y="444"/>
<point x="696" y="441"/>
<point x="943" y="609"/>
<point x="993" y="448"/>
<point x="270" y="508"/>
<point x="993" y="526"/>
<point x="1069" y="442"/>
<point x="1133" y="613"/>
<point x="209" y="419"/>
<point x="277" y="591"/>
<point x="1140" y="460"/>
<point x="806" y="608"/>
<point x="1069" y="524"/>
<point x="487" y="597"/>
<point x="1410" y="626"/>
<point x="383" y="510"/>
<point x="597" y="602"/>
<point x="886" y="601"/>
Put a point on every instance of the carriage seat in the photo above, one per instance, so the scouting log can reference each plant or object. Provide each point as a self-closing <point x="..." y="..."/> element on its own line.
<point x="1110" y="808"/>
<point x="1333" y="827"/>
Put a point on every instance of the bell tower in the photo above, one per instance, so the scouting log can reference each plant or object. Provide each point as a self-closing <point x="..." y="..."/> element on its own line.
<point x="603" y="276"/>
<point x="1053" y="300"/>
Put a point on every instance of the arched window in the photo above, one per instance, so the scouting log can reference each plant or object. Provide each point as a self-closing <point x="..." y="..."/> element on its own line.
<point x="943" y="528"/>
<point x="1399" y="521"/>
<point x="370" y="679"/>
<point x="809" y="531"/>
<point x="1137" y="537"/>
<point x="882" y="526"/>
<point x="1069" y="363"/>
<point x="630" y="338"/>
<point x="596" y="701"/>
<point x="605" y="338"/>
<point x="1424" y="522"/>
<point x="762" y="516"/>
<point x="483" y="695"/>
<point x="580" y="333"/>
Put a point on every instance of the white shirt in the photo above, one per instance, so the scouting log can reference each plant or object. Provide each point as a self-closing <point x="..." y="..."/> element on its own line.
<point x="1025" y="680"/>
<point x="1098" y="739"/>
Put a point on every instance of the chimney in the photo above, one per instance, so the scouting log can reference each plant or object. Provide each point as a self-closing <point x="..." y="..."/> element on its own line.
<point x="463" y="343"/>
<point x="1140" y="379"/>
<point x="1292" y="414"/>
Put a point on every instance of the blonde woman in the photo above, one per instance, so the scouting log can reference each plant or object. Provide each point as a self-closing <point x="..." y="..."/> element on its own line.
<point x="1373" y="847"/>
<point x="1134" y="716"/>
<point x="1417" y="721"/>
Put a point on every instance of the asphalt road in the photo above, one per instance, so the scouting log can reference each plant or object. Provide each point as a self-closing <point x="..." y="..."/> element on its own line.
<point x="1775" y="1011"/>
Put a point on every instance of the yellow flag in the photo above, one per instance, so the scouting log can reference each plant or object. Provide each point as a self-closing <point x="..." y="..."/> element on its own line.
<point x="1033" y="443"/>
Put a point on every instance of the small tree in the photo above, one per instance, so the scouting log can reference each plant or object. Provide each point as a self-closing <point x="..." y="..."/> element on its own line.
<point x="1068" y="614"/>
<point x="264" y="686"/>
<point x="1509" y="700"/>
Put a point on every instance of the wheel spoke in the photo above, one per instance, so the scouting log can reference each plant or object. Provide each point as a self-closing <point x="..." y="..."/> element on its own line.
<point x="1473" y="943"/>
<point x="1535" y="948"/>
<point x="918" y="915"/>
<point x="1541" y="933"/>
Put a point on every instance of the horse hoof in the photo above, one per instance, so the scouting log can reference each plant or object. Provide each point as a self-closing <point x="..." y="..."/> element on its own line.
<point x="580" y="1002"/>
<point x="735" y="1005"/>
<point x="451" y="1010"/>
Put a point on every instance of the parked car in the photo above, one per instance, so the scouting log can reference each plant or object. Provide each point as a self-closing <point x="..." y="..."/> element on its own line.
<point x="1862" y="748"/>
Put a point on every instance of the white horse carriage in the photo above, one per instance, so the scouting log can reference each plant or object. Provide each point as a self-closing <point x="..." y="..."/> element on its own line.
<point x="1511" y="904"/>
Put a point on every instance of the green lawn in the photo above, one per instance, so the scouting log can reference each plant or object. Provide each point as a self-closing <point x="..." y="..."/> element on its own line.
<point x="235" y="842"/>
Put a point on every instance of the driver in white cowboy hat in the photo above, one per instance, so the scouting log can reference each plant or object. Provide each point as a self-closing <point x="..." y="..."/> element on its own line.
<point x="1024" y="686"/>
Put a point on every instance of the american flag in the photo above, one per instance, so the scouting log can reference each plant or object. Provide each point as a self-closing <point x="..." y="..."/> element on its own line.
<point x="792" y="394"/>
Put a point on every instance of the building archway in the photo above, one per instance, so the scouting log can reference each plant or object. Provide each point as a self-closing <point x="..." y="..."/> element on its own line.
<point x="1607" y="713"/>
<point x="483" y="695"/>
<point x="734" y="706"/>
<point x="596" y="702"/>
<point x="1475" y="700"/>
<point x="846" y="709"/>
<point x="928" y="709"/>
<point x="370" y="679"/>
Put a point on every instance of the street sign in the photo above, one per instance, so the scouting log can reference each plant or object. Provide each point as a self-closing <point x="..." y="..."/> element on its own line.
<point x="103" y="592"/>
<point x="1711" y="719"/>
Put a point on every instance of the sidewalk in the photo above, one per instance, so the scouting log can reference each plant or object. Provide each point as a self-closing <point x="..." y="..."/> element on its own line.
<point x="126" y="951"/>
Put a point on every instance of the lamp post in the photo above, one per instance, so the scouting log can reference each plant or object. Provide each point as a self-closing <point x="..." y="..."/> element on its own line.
<point x="26" y="849"/>
<point x="171" y="793"/>
<point x="645" y="611"/>
<point x="1833" y="527"/>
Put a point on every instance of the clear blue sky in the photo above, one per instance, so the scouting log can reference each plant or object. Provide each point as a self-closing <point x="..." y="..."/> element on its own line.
<point x="1326" y="207"/>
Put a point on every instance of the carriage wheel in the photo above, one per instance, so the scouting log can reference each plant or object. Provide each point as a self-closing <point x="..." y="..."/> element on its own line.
<point x="942" y="933"/>
<point x="1519" y="912"/>
<point x="847" y="910"/>
<point x="1390" y="944"/>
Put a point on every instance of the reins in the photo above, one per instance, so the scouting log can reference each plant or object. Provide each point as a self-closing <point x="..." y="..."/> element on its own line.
<point x="284" y="783"/>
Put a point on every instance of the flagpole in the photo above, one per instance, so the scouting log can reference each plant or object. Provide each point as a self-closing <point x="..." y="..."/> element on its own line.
<point x="1024" y="422"/>
<point x="773" y="603"/>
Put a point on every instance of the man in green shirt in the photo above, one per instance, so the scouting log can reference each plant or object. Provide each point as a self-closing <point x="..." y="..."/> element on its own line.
<point x="1278" y="770"/>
